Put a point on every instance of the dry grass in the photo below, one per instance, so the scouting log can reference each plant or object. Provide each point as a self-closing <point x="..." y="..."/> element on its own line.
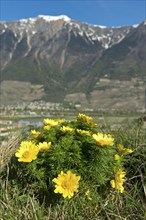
<point x="7" y="150"/>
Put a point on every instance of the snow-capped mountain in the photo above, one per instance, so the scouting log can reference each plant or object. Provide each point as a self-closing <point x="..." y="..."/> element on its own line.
<point x="107" y="36"/>
<point x="53" y="28"/>
<point x="68" y="56"/>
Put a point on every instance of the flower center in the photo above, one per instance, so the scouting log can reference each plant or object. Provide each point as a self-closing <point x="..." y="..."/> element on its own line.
<point x="67" y="185"/>
<point x="25" y="154"/>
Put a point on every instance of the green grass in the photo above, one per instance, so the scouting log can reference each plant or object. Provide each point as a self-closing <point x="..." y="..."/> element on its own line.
<point x="24" y="203"/>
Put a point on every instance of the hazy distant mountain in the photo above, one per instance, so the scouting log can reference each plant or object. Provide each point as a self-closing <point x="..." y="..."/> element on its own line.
<point x="62" y="59"/>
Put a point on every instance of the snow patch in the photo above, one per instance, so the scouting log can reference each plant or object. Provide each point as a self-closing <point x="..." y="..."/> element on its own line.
<point x="96" y="38"/>
<point x="5" y="26"/>
<point x="3" y="31"/>
<point x="100" y="26"/>
<point x="29" y="20"/>
<point x="106" y="46"/>
<point x="54" y="18"/>
<point x="81" y="33"/>
<point x="135" y="25"/>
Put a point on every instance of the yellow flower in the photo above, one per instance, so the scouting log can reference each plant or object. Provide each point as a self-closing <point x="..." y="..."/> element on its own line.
<point x="47" y="127"/>
<point x="103" y="139"/>
<point x="117" y="157"/>
<point x="84" y="117"/>
<point x="83" y="132"/>
<point x="44" y="146"/>
<point x="66" y="184"/>
<point x="27" y="151"/>
<point x="117" y="183"/>
<point x="50" y="122"/>
<point x="60" y="121"/>
<point x="66" y="129"/>
<point x="87" y="193"/>
<point x="35" y="133"/>
<point x="124" y="150"/>
<point x="87" y="119"/>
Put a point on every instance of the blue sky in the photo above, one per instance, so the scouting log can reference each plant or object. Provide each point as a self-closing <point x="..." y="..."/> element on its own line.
<point x="100" y="12"/>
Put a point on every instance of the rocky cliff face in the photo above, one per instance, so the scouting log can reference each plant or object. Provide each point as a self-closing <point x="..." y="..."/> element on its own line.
<point x="68" y="58"/>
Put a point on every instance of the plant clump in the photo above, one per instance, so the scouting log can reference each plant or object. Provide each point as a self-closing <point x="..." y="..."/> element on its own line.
<point x="64" y="159"/>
